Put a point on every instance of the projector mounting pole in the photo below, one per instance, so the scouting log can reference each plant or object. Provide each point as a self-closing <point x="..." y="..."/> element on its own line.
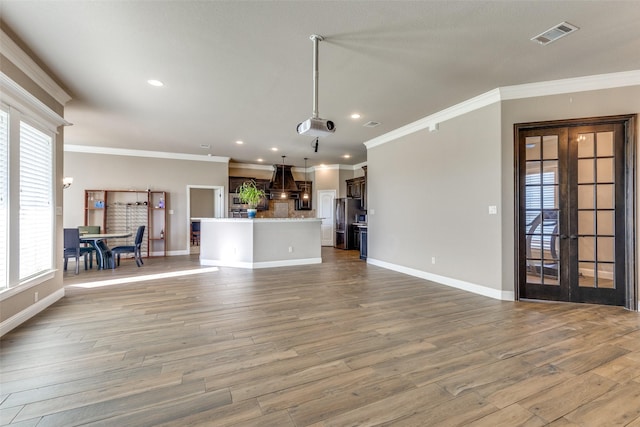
<point x="315" y="39"/>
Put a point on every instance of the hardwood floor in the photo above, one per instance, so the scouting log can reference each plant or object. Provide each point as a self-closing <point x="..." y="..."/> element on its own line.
<point x="342" y="343"/>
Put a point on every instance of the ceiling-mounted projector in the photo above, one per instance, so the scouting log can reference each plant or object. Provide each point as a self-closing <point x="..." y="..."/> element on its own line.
<point x="316" y="127"/>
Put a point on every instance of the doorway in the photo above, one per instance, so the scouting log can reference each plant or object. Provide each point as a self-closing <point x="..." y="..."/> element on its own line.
<point x="202" y="202"/>
<point x="575" y="211"/>
<point x="325" y="210"/>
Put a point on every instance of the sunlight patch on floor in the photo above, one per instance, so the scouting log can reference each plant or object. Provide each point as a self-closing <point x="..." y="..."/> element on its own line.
<point x="144" y="278"/>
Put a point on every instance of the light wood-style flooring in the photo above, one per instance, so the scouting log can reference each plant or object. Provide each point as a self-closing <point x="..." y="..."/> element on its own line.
<point x="337" y="344"/>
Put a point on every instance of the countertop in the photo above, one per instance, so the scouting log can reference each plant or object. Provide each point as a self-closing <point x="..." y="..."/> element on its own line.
<point x="258" y="219"/>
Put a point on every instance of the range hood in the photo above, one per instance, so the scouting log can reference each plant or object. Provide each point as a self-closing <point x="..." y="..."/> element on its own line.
<point x="283" y="182"/>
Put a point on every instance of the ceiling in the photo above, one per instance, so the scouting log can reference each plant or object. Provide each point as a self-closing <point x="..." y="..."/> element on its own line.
<point x="242" y="70"/>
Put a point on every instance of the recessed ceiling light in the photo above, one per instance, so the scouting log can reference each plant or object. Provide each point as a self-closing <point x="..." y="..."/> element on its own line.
<point x="371" y="124"/>
<point x="239" y="142"/>
<point x="355" y="116"/>
<point x="347" y="156"/>
<point x="261" y="160"/>
<point x="206" y="146"/>
<point x="156" y="83"/>
<point x="274" y="149"/>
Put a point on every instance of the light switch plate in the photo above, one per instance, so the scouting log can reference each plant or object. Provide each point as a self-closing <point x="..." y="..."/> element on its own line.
<point x="493" y="210"/>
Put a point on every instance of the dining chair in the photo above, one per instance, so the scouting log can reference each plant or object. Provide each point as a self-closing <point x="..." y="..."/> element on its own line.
<point x="195" y="233"/>
<point x="135" y="249"/>
<point x="89" y="229"/>
<point x="73" y="249"/>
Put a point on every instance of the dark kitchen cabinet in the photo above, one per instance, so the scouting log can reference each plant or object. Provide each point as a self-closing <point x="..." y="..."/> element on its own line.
<point x="364" y="232"/>
<point x="354" y="187"/>
<point x="302" y="203"/>
<point x="234" y="200"/>
<point x="355" y="232"/>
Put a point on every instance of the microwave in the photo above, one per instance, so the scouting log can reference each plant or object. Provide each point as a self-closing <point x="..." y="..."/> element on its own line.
<point x="362" y="217"/>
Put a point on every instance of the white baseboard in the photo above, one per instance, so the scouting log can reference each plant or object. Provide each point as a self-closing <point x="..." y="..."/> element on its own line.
<point x="30" y="311"/>
<point x="265" y="264"/>
<point x="448" y="281"/>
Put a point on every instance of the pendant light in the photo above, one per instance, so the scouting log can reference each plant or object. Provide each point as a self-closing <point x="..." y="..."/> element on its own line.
<point x="306" y="187"/>
<point x="284" y="194"/>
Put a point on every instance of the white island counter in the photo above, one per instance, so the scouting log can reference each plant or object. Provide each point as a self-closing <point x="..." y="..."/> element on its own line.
<point x="260" y="243"/>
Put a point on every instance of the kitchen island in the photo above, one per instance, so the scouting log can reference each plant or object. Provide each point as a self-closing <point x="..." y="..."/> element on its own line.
<point x="260" y="242"/>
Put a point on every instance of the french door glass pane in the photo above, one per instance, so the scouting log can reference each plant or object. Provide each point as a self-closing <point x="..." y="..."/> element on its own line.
<point x="585" y="145"/>
<point x="605" y="144"/>
<point x="532" y="145"/>
<point x="605" y="223"/>
<point x="586" y="171"/>
<point x="550" y="147"/>
<point x="586" y="224"/>
<point x="604" y="169"/>
<point x="586" y="198"/>
<point x="605" y="196"/>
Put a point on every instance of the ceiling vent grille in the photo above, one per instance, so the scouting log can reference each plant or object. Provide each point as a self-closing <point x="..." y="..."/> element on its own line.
<point x="371" y="124"/>
<point x="554" y="33"/>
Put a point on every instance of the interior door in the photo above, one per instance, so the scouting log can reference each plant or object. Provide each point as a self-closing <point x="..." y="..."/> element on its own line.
<point x="572" y="207"/>
<point x="325" y="207"/>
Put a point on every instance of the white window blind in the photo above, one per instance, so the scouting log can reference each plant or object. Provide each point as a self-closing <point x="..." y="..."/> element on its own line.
<point x="36" y="205"/>
<point x="540" y="195"/>
<point x="4" y="197"/>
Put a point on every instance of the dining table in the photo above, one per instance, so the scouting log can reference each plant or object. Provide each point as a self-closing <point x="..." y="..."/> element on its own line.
<point x="98" y="242"/>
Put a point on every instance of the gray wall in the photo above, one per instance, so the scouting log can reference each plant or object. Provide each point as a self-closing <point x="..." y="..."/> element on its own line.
<point x="202" y="203"/>
<point x="429" y="192"/>
<point x="625" y="100"/>
<point x="114" y="172"/>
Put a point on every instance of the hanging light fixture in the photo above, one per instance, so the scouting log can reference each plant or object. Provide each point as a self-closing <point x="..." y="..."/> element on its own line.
<point x="306" y="187"/>
<point x="284" y="194"/>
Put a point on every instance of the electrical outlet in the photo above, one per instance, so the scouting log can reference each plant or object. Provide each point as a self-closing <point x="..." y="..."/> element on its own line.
<point x="290" y="249"/>
<point x="433" y="260"/>
<point x="35" y="297"/>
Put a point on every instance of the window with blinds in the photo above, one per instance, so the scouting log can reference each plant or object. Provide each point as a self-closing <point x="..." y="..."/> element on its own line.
<point x="4" y="196"/>
<point x="541" y="194"/>
<point x="36" y="204"/>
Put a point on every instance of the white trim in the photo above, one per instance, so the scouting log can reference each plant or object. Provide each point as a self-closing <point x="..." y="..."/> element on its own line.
<point x="265" y="264"/>
<point x="178" y="252"/>
<point x="143" y="153"/>
<point x="20" y="59"/>
<point x="29" y="312"/>
<point x="578" y="84"/>
<point x="14" y="95"/>
<point x="447" y="281"/>
<point x="553" y="87"/>
<point x="250" y="166"/>
<point x="433" y="120"/>
<point x="26" y="284"/>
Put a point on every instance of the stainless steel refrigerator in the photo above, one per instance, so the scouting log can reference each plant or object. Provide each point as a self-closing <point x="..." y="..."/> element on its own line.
<point x="346" y="211"/>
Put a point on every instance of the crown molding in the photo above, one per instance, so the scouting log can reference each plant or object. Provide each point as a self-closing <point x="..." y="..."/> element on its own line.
<point x="578" y="84"/>
<point x="14" y="95"/>
<point x="144" y="153"/>
<point x="10" y="50"/>
<point x="530" y="90"/>
<point x="251" y="166"/>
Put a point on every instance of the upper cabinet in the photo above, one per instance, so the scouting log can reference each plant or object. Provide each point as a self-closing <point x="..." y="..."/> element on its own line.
<point x="357" y="188"/>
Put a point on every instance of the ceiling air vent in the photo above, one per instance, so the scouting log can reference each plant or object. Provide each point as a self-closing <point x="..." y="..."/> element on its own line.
<point x="371" y="124"/>
<point x="554" y="33"/>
